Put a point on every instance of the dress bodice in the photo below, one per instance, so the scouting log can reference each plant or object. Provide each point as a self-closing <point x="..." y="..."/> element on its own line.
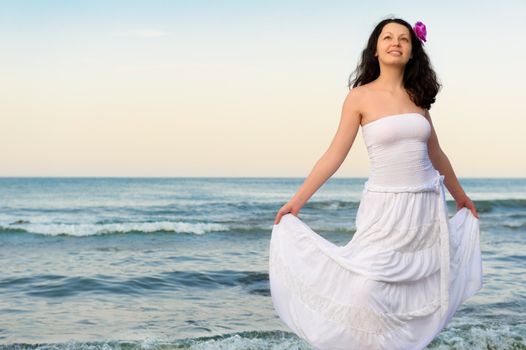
<point x="397" y="149"/>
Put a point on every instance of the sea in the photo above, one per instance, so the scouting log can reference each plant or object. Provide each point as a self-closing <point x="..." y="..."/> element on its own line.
<point x="182" y="263"/>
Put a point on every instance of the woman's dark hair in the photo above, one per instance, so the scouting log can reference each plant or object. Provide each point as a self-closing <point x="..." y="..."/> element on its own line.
<point x="420" y="80"/>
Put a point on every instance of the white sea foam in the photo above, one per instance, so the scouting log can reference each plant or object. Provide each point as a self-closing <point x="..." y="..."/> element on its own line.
<point x="500" y="337"/>
<point x="482" y="338"/>
<point x="78" y="229"/>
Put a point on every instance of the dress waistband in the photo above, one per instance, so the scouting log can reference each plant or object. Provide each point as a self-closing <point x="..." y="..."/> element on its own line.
<point x="433" y="185"/>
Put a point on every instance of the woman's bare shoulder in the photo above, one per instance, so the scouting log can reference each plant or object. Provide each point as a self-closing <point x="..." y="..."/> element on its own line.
<point x="364" y="95"/>
<point x="357" y="95"/>
<point x="364" y="88"/>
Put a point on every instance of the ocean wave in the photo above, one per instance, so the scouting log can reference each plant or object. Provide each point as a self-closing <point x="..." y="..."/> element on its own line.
<point x="519" y="226"/>
<point x="332" y="204"/>
<point x="482" y="337"/>
<point x="199" y="228"/>
<point x="488" y="205"/>
<point x="80" y="230"/>
<point x="59" y="286"/>
<point x="238" y="340"/>
<point x="501" y="338"/>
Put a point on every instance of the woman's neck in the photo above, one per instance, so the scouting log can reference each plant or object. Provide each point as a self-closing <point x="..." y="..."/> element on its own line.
<point x="390" y="79"/>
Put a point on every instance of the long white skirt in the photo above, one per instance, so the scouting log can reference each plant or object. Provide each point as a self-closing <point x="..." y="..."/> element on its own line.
<point x="386" y="288"/>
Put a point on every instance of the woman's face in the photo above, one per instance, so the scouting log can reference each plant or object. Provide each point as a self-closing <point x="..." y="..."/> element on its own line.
<point x="394" y="44"/>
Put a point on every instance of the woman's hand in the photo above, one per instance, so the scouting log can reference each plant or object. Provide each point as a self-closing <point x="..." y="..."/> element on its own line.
<point x="293" y="207"/>
<point x="466" y="202"/>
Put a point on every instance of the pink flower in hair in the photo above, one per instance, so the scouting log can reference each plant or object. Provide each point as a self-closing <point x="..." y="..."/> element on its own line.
<point x="420" y="31"/>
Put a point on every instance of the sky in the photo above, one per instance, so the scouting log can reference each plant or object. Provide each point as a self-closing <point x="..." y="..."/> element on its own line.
<point x="240" y="88"/>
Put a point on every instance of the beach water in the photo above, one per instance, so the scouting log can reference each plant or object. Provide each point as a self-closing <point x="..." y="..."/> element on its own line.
<point x="182" y="263"/>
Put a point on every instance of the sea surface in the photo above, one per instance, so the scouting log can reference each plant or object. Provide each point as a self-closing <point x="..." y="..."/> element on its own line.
<point x="182" y="263"/>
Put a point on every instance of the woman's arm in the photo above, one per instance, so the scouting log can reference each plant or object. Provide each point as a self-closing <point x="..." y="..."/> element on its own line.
<point x="443" y="165"/>
<point x="333" y="157"/>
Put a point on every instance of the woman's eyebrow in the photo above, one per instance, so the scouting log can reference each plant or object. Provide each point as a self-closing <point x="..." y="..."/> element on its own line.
<point x="399" y="35"/>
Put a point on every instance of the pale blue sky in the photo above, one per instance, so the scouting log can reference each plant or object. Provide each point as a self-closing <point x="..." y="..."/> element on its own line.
<point x="239" y="88"/>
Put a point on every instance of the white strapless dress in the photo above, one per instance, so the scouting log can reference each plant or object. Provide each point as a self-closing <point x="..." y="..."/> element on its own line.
<point x="407" y="268"/>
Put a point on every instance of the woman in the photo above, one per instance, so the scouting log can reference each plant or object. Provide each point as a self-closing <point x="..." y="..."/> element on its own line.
<point x="408" y="267"/>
